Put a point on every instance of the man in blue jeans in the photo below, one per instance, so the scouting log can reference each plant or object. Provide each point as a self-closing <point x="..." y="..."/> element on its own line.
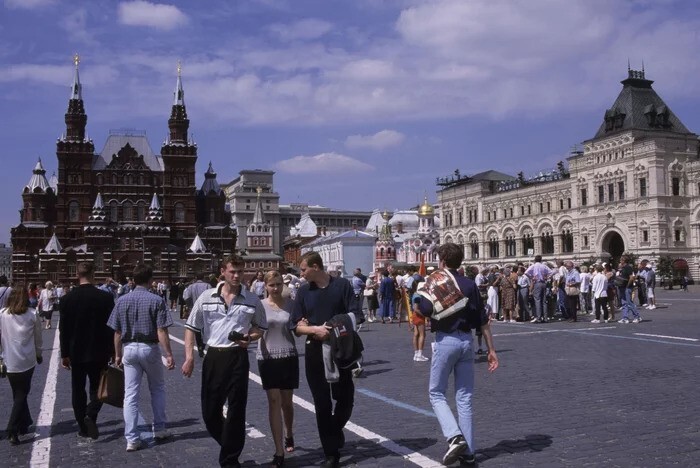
<point x="453" y="354"/>
<point x="626" y="277"/>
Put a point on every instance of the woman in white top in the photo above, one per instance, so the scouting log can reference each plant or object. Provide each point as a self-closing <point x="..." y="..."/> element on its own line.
<point x="20" y="347"/>
<point x="586" y="289"/>
<point x="47" y="300"/>
<point x="278" y="363"/>
<point x="599" y="287"/>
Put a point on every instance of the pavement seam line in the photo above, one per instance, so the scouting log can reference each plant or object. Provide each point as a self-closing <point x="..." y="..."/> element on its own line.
<point x="405" y="452"/>
<point x="41" y="448"/>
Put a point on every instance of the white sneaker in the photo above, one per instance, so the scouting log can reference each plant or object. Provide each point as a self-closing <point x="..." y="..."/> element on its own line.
<point x="421" y="358"/>
<point x="534" y="319"/>
<point x="651" y="307"/>
<point x="607" y="320"/>
<point x="133" y="446"/>
<point x="623" y="321"/>
<point x="637" y="320"/>
<point x="596" y="321"/>
<point x="513" y="321"/>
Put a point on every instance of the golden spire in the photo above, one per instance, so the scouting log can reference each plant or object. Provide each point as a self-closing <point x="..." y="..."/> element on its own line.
<point x="179" y="68"/>
<point x="76" y="59"/>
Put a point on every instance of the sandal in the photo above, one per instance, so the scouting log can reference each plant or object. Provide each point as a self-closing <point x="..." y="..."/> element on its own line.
<point x="277" y="460"/>
<point x="289" y="444"/>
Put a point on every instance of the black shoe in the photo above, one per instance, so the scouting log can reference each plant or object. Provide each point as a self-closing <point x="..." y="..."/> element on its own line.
<point x="456" y="447"/>
<point x="331" y="461"/>
<point x="91" y="428"/>
<point x="277" y="461"/>
<point x="14" y="439"/>
<point x="468" y="459"/>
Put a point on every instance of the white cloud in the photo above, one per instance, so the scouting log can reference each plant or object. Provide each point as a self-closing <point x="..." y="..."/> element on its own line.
<point x="154" y="15"/>
<point x="75" y="24"/>
<point x="303" y="30"/>
<point x="28" y="4"/>
<point x="379" y="141"/>
<point x="60" y="75"/>
<point x="322" y="163"/>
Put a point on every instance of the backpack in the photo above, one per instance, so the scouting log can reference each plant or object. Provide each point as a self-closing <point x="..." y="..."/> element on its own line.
<point x="346" y="345"/>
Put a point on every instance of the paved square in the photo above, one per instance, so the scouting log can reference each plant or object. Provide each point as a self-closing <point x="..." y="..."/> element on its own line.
<point x="565" y="395"/>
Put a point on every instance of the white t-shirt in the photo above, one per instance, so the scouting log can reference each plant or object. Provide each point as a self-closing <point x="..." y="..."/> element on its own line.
<point x="21" y="339"/>
<point x="585" y="282"/>
<point x="599" y="286"/>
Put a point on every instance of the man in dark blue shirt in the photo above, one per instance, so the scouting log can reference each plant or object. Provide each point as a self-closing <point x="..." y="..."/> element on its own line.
<point x="453" y="353"/>
<point x="317" y="301"/>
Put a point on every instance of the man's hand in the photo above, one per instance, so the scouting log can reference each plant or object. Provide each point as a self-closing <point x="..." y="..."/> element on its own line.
<point x="243" y="343"/>
<point x="169" y="362"/>
<point x="118" y="362"/>
<point x="188" y="367"/>
<point x="321" y="333"/>
<point x="65" y="363"/>
<point x="492" y="360"/>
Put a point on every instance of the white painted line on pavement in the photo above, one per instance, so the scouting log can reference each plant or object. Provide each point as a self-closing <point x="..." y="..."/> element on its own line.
<point x="667" y="336"/>
<point x="252" y="432"/>
<point x="601" y="327"/>
<point x="405" y="452"/>
<point x="41" y="448"/>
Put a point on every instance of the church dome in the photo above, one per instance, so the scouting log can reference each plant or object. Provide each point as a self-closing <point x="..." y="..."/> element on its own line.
<point x="426" y="209"/>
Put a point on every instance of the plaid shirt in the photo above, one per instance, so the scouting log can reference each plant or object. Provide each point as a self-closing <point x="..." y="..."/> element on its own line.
<point x="138" y="315"/>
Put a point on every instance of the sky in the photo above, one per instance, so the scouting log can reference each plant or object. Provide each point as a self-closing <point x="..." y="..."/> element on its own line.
<point x="354" y="104"/>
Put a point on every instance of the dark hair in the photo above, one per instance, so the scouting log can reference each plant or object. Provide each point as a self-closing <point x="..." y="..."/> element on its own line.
<point x="233" y="260"/>
<point x="200" y="276"/>
<point x="143" y="274"/>
<point x="312" y="258"/>
<point x="86" y="270"/>
<point x="18" y="302"/>
<point x="538" y="258"/>
<point x="3" y="280"/>
<point x="451" y="254"/>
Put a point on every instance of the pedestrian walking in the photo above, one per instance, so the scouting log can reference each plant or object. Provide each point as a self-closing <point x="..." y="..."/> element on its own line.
<point x="624" y="280"/>
<point x="572" y="289"/>
<point x="599" y="285"/>
<point x="387" y="297"/>
<point x="229" y="317"/>
<point x="86" y="345"/>
<point x="524" y="293"/>
<point x="318" y="300"/>
<point x="453" y="355"/>
<point x="47" y="302"/>
<point x="278" y="364"/>
<point x="20" y="348"/>
<point x="650" y="281"/>
<point x="257" y="286"/>
<point x="140" y="320"/>
<point x="539" y="273"/>
<point x="190" y="295"/>
<point x="370" y="293"/>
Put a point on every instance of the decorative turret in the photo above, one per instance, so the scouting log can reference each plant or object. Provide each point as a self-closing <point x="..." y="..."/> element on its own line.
<point x="38" y="198"/>
<point x="197" y="245"/>
<point x="384" y="247"/>
<point x="54" y="246"/>
<point x="155" y="213"/>
<point x="210" y="183"/>
<point x="259" y="232"/>
<point x="75" y="118"/>
<point x="178" y="123"/>
<point x="98" y="214"/>
<point x="426" y="217"/>
<point x="38" y="182"/>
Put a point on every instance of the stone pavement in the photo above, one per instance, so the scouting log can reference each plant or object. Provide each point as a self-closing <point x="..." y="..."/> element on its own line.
<point x="565" y="395"/>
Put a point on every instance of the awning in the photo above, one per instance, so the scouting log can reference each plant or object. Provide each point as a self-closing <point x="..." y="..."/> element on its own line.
<point x="680" y="264"/>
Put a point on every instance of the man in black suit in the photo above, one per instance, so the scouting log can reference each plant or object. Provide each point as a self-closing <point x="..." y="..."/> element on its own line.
<point x="86" y="345"/>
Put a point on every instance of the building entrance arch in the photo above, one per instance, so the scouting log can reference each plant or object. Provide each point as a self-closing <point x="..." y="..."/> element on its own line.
<point x="613" y="246"/>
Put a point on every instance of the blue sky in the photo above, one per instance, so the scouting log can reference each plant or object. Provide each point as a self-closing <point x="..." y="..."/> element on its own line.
<point x="355" y="104"/>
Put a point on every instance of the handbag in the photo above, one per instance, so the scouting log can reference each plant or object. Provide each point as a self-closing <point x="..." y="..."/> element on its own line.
<point x="111" y="388"/>
<point x="572" y="290"/>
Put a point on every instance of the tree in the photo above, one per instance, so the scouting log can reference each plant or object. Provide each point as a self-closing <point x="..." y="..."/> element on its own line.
<point x="664" y="268"/>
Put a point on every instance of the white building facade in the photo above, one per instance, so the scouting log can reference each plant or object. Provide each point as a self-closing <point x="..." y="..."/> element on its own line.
<point x="635" y="187"/>
<point x="344" y="252"/>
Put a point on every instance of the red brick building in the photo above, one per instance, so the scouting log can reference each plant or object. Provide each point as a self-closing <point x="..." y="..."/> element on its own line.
<point x="121" y="206"/>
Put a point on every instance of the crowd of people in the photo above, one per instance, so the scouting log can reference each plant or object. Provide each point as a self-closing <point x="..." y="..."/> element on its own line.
<point x="127" y="325"/>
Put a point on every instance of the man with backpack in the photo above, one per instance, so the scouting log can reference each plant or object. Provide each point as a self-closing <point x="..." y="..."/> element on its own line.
<point x="318" y="300"/>
<point x="453" y="353"/>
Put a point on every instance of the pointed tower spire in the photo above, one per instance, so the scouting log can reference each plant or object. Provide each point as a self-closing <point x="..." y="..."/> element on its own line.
<point x="98" y="210"/>
<point x="98" y="202"/>
<point x="38" y="180"/>
<point x="76" y="120"/>
<point x="258" y="215"/>
<point x="197" y="245"/>
<point x="178" y="123"/>
<point x="155" y="214"/>
<point x="54" y="246"/>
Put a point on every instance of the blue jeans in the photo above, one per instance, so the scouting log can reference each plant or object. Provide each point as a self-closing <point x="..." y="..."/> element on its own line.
<point x="453" y="353"/>
<point x="627" y="304"/>
<point x="139" y="358"/>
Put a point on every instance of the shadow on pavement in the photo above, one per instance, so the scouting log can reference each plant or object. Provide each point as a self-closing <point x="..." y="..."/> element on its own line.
<point x="531" y="443"/>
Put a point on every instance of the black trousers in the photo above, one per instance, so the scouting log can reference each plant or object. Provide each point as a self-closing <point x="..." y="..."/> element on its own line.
<point x="572" y="304"/>
<point x="81" y="371"/>
<point x="601" y="302"/>
<point x="225" y="379"/>
<point x="20" y="419"/>
<point x="330" y="423"/>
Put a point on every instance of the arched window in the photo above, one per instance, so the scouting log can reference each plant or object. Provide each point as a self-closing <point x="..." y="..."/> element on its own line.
<point x="179" y="213"/>
<point x="547" y="240"/>
<point x="73" y="211"/>
<point x="127" y="211"/>
<point x="528" y="243"/>
<point x="510" y="244"/>
<point x="493" y="246"/>
<point x="141" y="211"/>
<point x="567" y="241"/>
<point x="474" y="247"/>
<point x="113" y="211"/>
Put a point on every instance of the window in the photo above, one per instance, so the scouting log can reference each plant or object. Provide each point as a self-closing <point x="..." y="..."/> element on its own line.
<point x="677" y="235"/>
<point x="113" y="211"/>
<point x="676" y="186"/>
<point x="73" y="211"/>
<point x="474" y="244"/>
<point x="489" y="215"/>
<point x="127" y="211"/>
<point x="568" y="203"/>
<point x="141" y="211"/>
<point x="179" y="213"/>
<point x="522" y="210"/>
<point x="601" y="194"/>
<point x="460" y="216"/>
<point x="541" y="208"/>
<point x="621" y="190"/>
<point x="529" y="209"/>
<point x="584" y="197"/>
<point x="643" y="187"/>
<point x="475" y="216"/>
<point x="493" y="248"/>
<point x="470" y="217"/>
<point x="528" y="244"/>
<point x="645" y="235"/>
<point x="511" y="212"/>
<point x="547" y="243"/>
<point x="510" y="246"/>
<point x="567" y="241"/>
<point x="611" y="192"/>
<point x="561" y="204"/>
<point x="585" y="241"/>
<point x="494" y="215"/>
<point x="505" y="212"/>
<point x="549" y="207"/>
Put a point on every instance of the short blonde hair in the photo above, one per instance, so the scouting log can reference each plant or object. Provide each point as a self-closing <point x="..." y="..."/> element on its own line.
<point x="48" y="285"/>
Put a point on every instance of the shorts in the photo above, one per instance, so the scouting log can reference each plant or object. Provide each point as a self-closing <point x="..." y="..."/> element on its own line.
<point x="650" y="293"/>
<point x="417" y="319"/>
